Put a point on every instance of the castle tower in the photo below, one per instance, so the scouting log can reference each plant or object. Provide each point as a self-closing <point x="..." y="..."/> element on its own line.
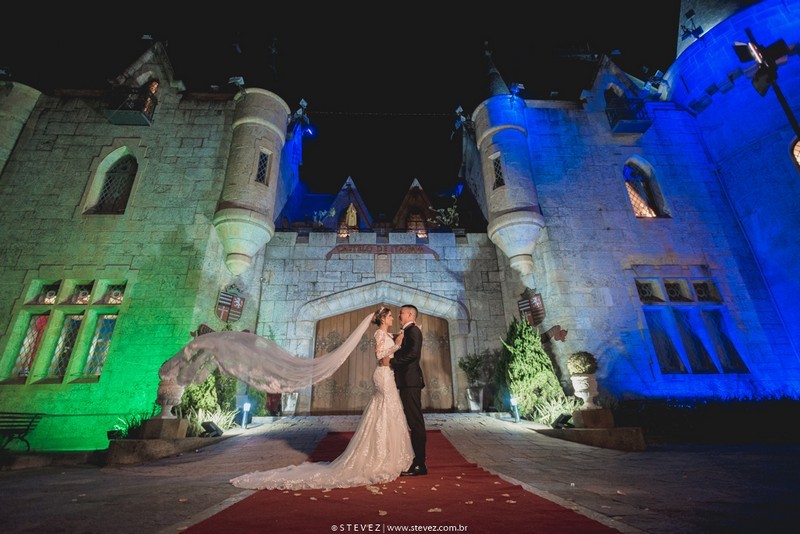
<point x="245" y="212"/>
<point x="514" y="217"/>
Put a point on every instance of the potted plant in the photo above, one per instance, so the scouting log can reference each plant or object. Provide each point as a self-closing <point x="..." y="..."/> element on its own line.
<point x="582" y="366"/>
<point x="473" y="367"/>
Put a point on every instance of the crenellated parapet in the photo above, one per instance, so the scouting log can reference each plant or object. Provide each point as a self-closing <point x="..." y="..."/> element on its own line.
<point x="245" y="212"/>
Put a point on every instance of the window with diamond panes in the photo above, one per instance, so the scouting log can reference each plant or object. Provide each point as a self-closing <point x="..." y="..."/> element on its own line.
<point x="644" y="194"/>
<point x="690" y="332"/>
<point x="499" y="181"/>
<point x="263" y="165"/>
<point x="64" y="346"/>
<point x="30" y="345"/>
<point x="101" y="339"/>
<point x="55" y="329"/>
<point x="117" y="186"/>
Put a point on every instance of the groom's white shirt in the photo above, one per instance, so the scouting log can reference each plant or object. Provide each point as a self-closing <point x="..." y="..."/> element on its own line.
<point x="409" y="323"/>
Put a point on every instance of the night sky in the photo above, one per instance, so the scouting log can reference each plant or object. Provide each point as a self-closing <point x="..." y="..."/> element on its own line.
<point x="382" y="85"/>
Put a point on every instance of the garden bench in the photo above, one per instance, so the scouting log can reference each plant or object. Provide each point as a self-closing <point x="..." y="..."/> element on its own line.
<point x="17" y="425"/>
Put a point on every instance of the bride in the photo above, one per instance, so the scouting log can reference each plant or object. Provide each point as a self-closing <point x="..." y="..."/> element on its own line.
<point x="380" y="447"/>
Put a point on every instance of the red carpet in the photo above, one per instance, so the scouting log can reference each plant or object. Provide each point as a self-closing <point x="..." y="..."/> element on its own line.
<point x="455" y="496"/>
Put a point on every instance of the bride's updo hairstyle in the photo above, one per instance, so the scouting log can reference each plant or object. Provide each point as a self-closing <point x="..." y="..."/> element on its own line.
<point x="380" y="315"/>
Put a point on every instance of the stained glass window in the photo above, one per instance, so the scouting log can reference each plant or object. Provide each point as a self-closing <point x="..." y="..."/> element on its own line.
<point x="100" y="342"/>
<point x="64" y="346"/>
<point x="30" y="345"/>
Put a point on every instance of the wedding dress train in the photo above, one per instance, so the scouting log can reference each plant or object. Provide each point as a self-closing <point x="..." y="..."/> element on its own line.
<point x="378" y="451"/>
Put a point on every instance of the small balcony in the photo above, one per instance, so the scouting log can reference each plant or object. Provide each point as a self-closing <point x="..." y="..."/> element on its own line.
<point x="130" y="108"/>
<point x="628" y="115"/>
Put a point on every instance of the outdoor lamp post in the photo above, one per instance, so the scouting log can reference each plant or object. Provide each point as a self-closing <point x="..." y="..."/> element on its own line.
<point x="516" y="410"/>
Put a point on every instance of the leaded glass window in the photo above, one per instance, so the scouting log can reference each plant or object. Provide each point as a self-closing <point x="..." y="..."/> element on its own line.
<point x="644" y="194"/>
<point x="263" y="165"/>
<point x="47" y="294"/>
<point x="64" y="346"/>
<point x="56" y="339"/>
<point x="117" y="186"/>
<point x="30" y="345"/>
<point x="115" y="294"/>
<point x="100" y="343"/>
<point x="497" y="166"/>
<point x="81" y="294"/>
<point x="691" y="332"/>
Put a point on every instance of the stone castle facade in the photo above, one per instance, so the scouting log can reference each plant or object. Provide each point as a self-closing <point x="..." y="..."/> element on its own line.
<point x="643" y="224"/>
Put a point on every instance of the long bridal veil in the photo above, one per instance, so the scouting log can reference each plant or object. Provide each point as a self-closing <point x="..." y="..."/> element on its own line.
<point x="255" y="360"/>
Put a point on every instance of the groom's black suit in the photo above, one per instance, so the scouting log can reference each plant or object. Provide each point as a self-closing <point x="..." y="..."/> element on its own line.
<point x="408" y="376"/>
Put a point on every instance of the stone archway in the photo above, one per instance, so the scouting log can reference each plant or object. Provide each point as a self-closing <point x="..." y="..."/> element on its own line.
<point x="372" y="295"/>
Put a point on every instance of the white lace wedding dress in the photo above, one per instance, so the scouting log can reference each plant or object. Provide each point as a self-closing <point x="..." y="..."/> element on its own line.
<point x="378" y="451"/>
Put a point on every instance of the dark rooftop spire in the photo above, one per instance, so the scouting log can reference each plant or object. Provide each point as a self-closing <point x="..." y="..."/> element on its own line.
<point x="497" y="86"/>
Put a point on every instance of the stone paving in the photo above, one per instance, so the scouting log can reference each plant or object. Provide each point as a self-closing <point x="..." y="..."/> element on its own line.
<point x="665" y="489"/>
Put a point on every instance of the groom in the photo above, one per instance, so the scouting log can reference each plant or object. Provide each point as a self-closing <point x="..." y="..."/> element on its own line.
<point x="408" y="376"/>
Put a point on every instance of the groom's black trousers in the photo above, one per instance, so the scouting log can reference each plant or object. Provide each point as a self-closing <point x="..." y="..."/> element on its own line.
<point x="412" y="406"/>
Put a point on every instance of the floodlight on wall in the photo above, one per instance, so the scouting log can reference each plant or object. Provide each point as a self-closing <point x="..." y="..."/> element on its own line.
<point x="690" y="29"/>
<point x="768" y="59"/>
<point x="238" y="81"/>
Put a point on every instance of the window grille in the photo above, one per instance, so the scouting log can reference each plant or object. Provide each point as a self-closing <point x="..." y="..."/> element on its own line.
<point x="64" y="346"/>
<point x="644" y="194"/>
<point x="30" y="345"/>
<point x="261" y="171"/>
<point x="499" y="181"/>
<point x="117" y="186"/>
<point x="100" y="342"/>
<point x="796" y="152"/>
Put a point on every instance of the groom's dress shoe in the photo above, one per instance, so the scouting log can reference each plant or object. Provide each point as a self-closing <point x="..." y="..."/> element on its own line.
<point x="415" y="470"/>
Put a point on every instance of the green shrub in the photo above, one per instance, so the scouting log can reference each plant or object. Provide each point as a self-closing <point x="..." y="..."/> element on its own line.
<point x="581" y="363"/>
<point x="525" y="371"/>
<point x="217" y="392"/>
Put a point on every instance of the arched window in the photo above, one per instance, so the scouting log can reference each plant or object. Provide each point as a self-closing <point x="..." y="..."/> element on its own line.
<point x="117" y="185"/>
<point x="796" y="153"/>
<point x="644" y="193"/>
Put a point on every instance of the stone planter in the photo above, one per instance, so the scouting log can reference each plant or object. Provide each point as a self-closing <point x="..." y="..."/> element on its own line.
<point x="169" y="395"/>
<point x="585" y="389"/>
<point x="475" y="398"/>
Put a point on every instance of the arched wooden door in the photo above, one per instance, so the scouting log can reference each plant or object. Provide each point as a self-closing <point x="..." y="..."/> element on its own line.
<point x="349" y="389"/>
